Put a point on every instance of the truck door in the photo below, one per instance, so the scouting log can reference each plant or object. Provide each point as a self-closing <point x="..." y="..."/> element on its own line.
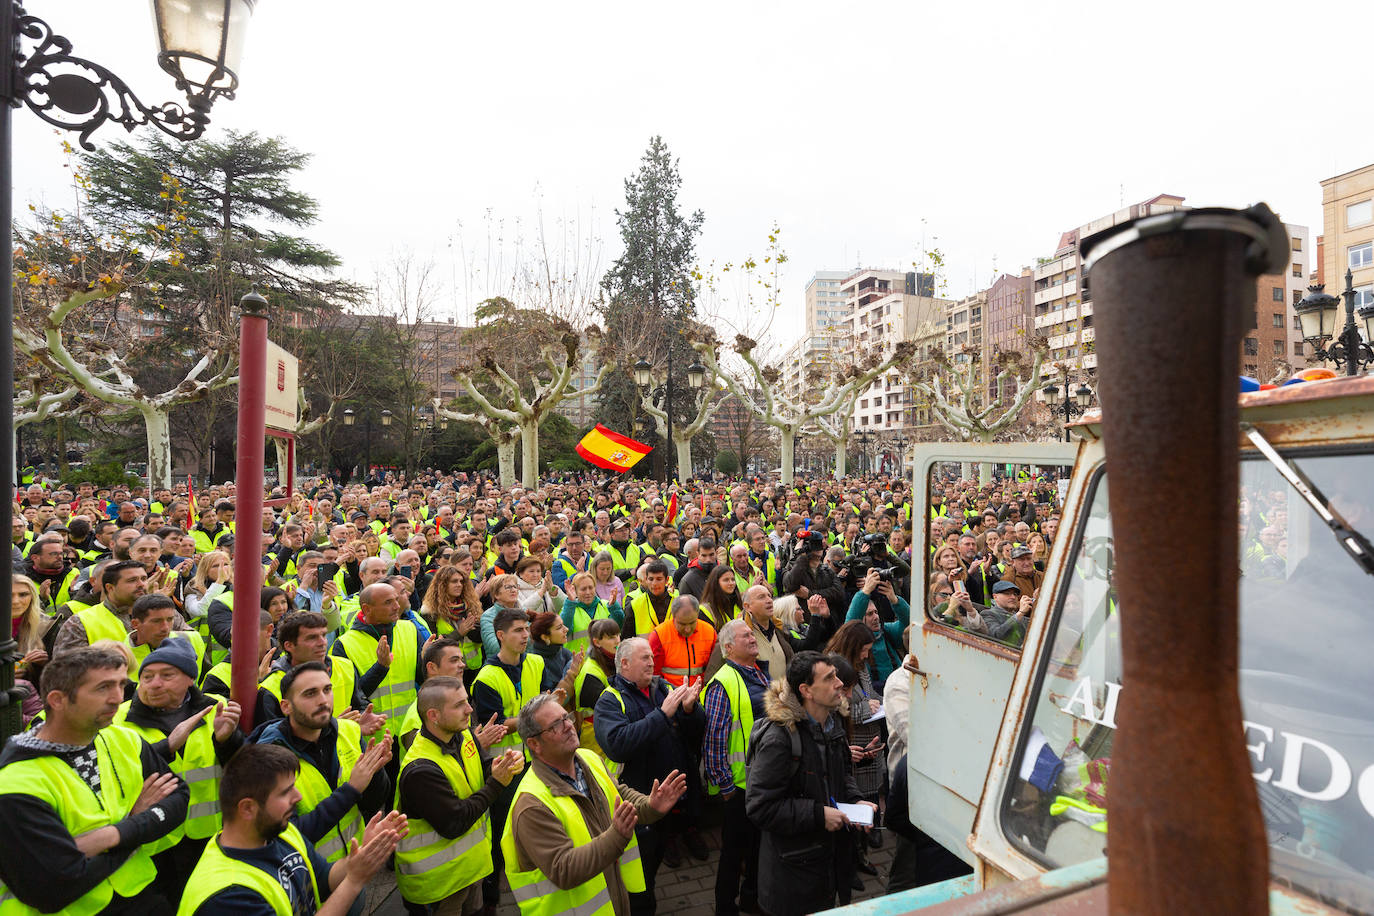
<point x="957" y="705"/>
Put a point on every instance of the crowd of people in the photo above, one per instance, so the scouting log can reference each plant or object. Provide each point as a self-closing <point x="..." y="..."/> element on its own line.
<point x="558" y="686"/>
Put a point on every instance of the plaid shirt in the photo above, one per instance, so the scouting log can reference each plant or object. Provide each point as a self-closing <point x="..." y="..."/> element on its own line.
<point x="719" y="721"/>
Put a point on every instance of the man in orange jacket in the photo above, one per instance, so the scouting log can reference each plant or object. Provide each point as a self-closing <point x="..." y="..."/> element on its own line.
<point x="682" y="644"/>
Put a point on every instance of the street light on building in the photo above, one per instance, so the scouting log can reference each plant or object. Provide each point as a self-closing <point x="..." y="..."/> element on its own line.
<point x="199" y="44"/>
<point x="662" y="397"/>
<point x="1317" y="315"/>
<point x="1071" y="406"/>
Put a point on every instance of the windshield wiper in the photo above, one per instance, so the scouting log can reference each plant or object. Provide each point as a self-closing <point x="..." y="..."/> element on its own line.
<point x="1355" y="544"/>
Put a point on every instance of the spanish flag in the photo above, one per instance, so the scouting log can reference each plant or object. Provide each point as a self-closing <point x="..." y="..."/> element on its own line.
<point x="611" y="450"/>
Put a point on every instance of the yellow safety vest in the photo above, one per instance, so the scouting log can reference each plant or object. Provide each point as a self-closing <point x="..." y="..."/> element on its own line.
<point x="587" y="733"/>
<point x="513" y="699"/>
<point x="197" y="764"/>
<point x="102" y="623"/>
<point x="578" y="639"/>
<point x="314" y="788"/>
<point x="218" y="653"/>
<point x="741" y="723"/>
<point x="472" y="650"/>
<point x="430" y="867"/>
<point x="397" y="689"/>
<point x="52" y="780"/>
<point x="645" y="618"/>
<point x="215" y="871"/>
<point x="536" y="894"/>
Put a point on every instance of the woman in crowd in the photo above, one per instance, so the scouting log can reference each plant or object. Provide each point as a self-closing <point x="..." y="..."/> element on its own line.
<point x="608" y="588"/>
<point x="28" y="626"/>
<point x="537" y="592"/>
<point x="1040" y="551"/>
<point x="549" y="639"/>
<point x="212" y="579"/>
<point x="720" y="597"/>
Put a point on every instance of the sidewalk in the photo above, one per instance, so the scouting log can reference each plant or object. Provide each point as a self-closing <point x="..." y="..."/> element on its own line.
<point x="688" y="890"/>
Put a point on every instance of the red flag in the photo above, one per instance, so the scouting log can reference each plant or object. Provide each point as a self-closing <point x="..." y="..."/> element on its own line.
<point x="190" y="498"/>
<point x="672" y="509"/>
<point x="608" y="449"/>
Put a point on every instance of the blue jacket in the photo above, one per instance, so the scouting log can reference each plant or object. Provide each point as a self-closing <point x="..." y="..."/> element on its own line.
<point x="887" y="646"/>
<point x="648" y="743"/>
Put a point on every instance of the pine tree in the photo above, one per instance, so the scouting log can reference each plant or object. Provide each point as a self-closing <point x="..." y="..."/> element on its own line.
<point x="650" y="285"/>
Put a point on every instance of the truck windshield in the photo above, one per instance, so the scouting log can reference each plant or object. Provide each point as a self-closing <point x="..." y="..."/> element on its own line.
<point x="1306" y="622"/>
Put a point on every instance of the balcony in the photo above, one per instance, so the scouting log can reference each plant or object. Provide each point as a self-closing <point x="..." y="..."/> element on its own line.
<point x="1049" y="294"/>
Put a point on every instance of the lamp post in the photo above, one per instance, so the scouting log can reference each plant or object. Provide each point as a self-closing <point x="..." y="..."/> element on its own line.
<point x="1317" y="315"/>
<point x="199" y="45"/>
<point x="662" y="397"/>
<point x="863" y="438"/>
<point x="1069" y="407"/>
<point x="900" y="444"/>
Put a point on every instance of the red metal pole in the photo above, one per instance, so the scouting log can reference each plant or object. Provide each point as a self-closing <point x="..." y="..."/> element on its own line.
<point x="290" y="466"/>
<point x="248" y="486"/>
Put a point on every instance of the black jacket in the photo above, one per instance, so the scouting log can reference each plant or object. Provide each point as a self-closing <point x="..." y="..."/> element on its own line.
<point x="41" y="864"/>
<point x="650" y="744"/>
<point x="800" y="862"/>
<point x="693" y="581"/>
<point x="820" y="582"/>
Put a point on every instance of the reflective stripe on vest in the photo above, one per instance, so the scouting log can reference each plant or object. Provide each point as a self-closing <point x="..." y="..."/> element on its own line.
<point x="314" y="789"/>
<point x="198" y="765"/>
<point x="643" y="610"/>
<point x="513" y="699"/>
<point x="397" y="689"/>
<point x="430" y="867"/>
<point x="215" y="871"/>
<point x="53" y="781"/>
<point x="536" y="894"/>
<point x="684" y="658"/>
<point x="741" y="723"/>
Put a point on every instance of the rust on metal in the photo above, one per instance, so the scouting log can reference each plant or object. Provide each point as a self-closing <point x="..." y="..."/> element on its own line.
<point x="968" y="640"/>
<point x="1186" y="830"/>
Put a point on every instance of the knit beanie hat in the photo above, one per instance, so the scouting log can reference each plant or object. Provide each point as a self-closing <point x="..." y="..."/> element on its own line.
<point x="179" y="653"/>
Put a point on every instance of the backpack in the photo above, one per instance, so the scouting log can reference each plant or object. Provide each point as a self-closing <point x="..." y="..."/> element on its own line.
<point x="794" y="736"/>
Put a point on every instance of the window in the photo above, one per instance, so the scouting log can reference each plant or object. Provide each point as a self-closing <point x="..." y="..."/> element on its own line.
<point x="1278" y="319"/>
<point x="1297" y="297"/>
<point x="1278" y="348"/>
<point x="1254" y="318"/>
<point x="1364" y="295"/>
<point x="1297" y="348"/>
<point x="1278" y="293"/>
<point x="1251" y="346"/>
<point x="1361" y="255"/>
<point x="1252" y="370"/>
<point x="1297" y="271"/>
<point x="1359" y="214"/>
<point x="1305" y="721"/>
<point x="1297" y="243"/>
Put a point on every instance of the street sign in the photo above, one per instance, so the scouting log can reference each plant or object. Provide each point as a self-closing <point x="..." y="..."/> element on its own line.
<point x="282" y="369"/>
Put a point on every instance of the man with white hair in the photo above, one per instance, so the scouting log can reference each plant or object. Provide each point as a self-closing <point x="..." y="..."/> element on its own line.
<point x="734" y="700"/>
<point x="650" y="728"/>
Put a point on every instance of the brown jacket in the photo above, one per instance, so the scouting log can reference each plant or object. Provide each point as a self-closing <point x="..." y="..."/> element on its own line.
<point x="1027" y="584"/>
<point x="541" y="841"/>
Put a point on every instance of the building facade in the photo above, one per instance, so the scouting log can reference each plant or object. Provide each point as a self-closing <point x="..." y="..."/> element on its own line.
<point x="886" y="307"/>
<point x="1348" y="233"/>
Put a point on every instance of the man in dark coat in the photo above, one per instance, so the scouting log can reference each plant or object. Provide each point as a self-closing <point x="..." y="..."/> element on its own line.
<point x="799" y="766"/>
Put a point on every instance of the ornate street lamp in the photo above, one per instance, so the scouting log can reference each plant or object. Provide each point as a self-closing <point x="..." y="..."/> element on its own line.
<point x="348" y="416"/>
<point x="1317" y="315"/>
<point x="643" y="374"/>
<point x="386" y="418"/>
<point x="1070" y="407"/>
<point x="200" y="43"/>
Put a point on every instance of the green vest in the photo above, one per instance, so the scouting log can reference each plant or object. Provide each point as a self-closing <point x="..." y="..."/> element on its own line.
<point x="52" y="780"/>
<point x="224" y="673"/>
<point x="472" y="651"/>
<point x="314" y="788"/>
<point x="587" y="731"/>
<point x="397" y="689"/>
<point x="215" y="871"/>
<point x="512" y="699"/>
<point x="578" y="639"/>
<point x="197" y="764"/>
<point x="741" y="723"/>
<point x="341" y="677"/>
<point x="430" y="867"/>
<point x="218" y="653"/>
<point x="630" y="559"/>
<point x="101" y="623"/>
<point x="536" y="894"/>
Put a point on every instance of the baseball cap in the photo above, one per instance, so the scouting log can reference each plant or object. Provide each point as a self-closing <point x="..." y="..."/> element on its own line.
<point x="1020" y="550"/>
<point x="1005" y="586"/>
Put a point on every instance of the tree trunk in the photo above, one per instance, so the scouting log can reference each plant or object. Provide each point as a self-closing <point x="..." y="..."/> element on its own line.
<point x="505" y="461"/>
<point x="684" y="457"/>
<point x="529" y="454"/>
<point x="61" y="447"/>
<point x="789" y="434"/>
<point x="158" y="427"/>
<point x="841" y="459"/>
<point x="284" y="471"/>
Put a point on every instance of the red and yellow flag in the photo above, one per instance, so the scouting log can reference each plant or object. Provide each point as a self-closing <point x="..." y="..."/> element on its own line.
<point x="610" y="450"/>
<point x="191" y="500"/>
<point x="672" y="509"/>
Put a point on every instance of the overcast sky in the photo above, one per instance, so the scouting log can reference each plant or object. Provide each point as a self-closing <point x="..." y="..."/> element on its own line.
<point x="860" y="128"/>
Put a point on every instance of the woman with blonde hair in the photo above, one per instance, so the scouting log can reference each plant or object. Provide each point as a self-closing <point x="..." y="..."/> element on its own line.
<point x="28" y="626"/>
<point x="608" y="588"/>
<point x="212" y="578"/>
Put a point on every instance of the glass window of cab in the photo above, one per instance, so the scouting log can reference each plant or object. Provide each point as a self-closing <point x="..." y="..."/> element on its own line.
<point x="1306" y="624"/>
<point x="991" y="529"/>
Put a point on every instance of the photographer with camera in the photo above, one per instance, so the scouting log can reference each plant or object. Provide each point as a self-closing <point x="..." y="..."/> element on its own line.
<point x="871" y="554"/>
<point x="888" y="651"/>
<point x="808" y="576"/>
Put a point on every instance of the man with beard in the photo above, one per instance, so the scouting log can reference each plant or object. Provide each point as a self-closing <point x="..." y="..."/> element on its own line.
<point x="261" y="863"/>
<point x="339" y="776"/>
<point x="78" y="800"/>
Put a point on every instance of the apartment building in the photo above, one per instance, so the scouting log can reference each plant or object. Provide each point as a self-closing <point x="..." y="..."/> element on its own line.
<point x="1301" y="263"/>
<point x="811" y="357"/>
<point x="1063" y="310"/>
<point x="1348" y="233"/>
<point x="887" y="306"/>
